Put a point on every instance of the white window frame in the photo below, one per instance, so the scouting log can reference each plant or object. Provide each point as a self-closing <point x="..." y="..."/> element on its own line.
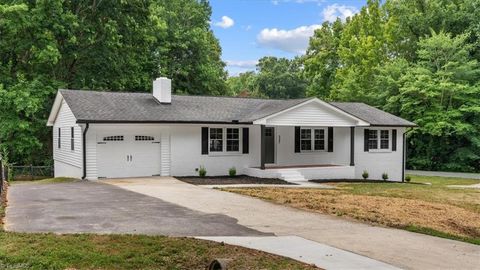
<point x="312" y="138"/>
<point x="224" y="142"/>
<point x="379" y="141"/>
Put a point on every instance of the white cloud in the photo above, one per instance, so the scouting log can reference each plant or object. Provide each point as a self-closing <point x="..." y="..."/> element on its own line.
<point x="226" y="22"/>
<point x="332" y="12"/>
<point x="247" y="64"/>
<point x="294" y="40"/>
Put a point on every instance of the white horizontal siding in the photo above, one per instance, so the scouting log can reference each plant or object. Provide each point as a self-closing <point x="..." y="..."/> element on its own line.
<point x="165" y="154"/>
<point x="64" y="123"/>
<point x="91" y="154"/>
<point x="311" y="114"/>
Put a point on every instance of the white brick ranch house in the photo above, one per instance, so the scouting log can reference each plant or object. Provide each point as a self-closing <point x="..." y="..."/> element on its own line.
<point x="115" y="134"/>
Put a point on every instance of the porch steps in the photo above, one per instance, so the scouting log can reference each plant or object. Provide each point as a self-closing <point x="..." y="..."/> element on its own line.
<point x="291" y="175"/>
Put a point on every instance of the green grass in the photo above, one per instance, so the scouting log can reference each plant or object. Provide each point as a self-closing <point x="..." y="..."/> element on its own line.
<point x="55" y="180"/>
<point x="86" y="251"/>
<point x="432" y="232"/>
<point x="427" y="188"/>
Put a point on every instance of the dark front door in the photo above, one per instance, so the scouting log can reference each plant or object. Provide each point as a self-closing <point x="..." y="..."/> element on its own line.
<point x="269" y="145"/>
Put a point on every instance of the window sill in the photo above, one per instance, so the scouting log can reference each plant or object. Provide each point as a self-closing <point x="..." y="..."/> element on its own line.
<point x="313" y="152"/>
<point x="380" y="151"/>
<point x="223" y="154"/>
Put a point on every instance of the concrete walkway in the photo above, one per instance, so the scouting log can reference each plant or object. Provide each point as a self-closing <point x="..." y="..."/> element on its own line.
<point x="445" y="174"/>
<point x="304" y="250"/>
<point x="397" y="247"/>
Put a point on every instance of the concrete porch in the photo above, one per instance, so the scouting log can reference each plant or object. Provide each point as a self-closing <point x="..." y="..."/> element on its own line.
<point x="298" y="173"/>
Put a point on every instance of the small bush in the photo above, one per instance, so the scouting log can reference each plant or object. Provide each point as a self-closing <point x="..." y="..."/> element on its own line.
<point x="408" y="178"/>
<point x="232" y="172"/>
<point x="365" y="174"/>
<point x="384" y="176"/>
<point x="202" y="172"/>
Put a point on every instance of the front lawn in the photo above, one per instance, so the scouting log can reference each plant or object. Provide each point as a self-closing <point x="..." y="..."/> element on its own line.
<point x="86" y="251"/>
<point x="431" y="208"/>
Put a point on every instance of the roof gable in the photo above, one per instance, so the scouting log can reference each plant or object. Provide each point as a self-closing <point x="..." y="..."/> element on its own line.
<point x="313" y="112"/>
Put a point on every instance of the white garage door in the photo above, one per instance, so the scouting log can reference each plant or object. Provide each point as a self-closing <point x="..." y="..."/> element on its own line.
<point x="128" y="155"/>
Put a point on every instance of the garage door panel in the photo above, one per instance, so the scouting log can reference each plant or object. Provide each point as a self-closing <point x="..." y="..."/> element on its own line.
<point x="128" y="155"/>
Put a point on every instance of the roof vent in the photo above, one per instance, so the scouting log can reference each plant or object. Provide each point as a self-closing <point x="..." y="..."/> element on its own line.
<point x="162" y="90"/>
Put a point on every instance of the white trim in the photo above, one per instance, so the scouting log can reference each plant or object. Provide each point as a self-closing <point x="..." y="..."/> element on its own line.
<point x="224" y="151"/>
<point x="379" y="140"/>
<point x="359" y="122"/>
<point x="55" y="109"/>
<point x="312" y="140"/>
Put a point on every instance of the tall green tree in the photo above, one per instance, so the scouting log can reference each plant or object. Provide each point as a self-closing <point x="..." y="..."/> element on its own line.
<point x="279" y="78"/>
<point x="243" y="84"/>
<point x="442" y="93"/>
<point x="101" y="45"/>
<point x="362" y="49"/>
<point x="322" y="60"/>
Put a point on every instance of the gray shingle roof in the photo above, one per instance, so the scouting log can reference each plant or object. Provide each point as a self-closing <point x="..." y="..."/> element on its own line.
<point x="372" y="115"/>
<point x="94" y="106"/>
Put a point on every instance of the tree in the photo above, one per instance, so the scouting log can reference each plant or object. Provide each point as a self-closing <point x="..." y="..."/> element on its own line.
<point x="362" y="49"/>
<point x="243" y="84"/>
<point x="441" y="92"/>
<point x="102" y="45"/>
<point x="279" y="78"/>
<point x="322" y="60"/>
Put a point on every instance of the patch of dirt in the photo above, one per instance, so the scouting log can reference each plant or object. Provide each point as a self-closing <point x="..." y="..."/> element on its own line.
<point x="225" y="180"/>
<point x="393" y="212"/>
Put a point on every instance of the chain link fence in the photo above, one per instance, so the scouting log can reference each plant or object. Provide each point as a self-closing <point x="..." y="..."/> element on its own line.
<point x="30" y="172"/>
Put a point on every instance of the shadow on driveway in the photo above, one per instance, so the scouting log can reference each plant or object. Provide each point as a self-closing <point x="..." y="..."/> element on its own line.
<point x="92" y="207"/>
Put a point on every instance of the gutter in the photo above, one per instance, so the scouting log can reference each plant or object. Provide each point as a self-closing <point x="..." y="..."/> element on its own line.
<point x="84" y="136"/>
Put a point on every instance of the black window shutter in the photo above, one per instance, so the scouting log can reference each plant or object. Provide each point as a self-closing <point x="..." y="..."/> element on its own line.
<point x="245" y="139"/>
<point x="204" y="140"/>
<point x="330" y="139"/>
<point x="365" y="140"/>
<point x="394" y="140"/>
<point x="297" y="139"/>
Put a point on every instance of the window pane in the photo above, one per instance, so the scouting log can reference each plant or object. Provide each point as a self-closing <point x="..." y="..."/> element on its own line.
<point x="305" y="134"/>
<point x="306" y="145"/>
<point x="373" y="139"/>
<point x="306" y="139"/>
<point x="384" y="139"/>
<point x="319" y="139"/>
<point x="216" y="140"/>
<point x="233" y="140"/>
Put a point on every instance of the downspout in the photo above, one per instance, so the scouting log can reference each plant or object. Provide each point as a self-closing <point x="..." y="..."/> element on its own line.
<point x="84" y="138"/>
<point x="404" y="149"/>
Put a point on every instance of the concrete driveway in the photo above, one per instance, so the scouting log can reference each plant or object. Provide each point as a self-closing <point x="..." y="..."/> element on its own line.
<point x="397" y="247"/>
<point x="101" y="208"/>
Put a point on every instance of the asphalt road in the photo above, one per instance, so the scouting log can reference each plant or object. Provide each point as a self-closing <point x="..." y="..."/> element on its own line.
<point x="81" y="207"/>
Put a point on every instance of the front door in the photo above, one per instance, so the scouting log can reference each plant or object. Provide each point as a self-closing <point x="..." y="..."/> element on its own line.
<point x="269" y="145"/>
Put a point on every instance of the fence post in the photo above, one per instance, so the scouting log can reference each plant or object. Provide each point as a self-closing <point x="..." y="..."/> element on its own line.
<point x="31" y="172"/>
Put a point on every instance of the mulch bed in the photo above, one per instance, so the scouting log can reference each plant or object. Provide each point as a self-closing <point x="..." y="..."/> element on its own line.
<point x="226" y="180"/>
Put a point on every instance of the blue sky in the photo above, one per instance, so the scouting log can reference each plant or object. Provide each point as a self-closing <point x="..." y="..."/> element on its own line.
<point x="251" y="29"/>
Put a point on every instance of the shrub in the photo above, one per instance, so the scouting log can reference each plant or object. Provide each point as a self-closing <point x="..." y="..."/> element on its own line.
<point x="365" y="174"/>
<point x="202" y="172"/>
<point x="384" y="176"/>
<point x="408" y="178"/>
<point x="232" y="172"/>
